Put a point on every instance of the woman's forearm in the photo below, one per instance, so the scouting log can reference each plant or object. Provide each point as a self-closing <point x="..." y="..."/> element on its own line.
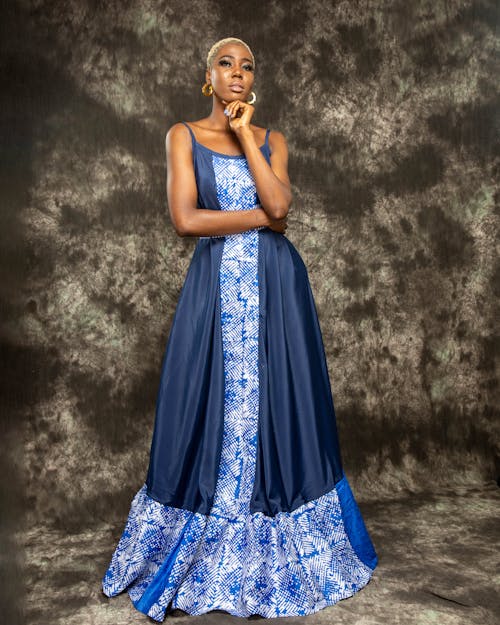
<point x="204" y="222"/>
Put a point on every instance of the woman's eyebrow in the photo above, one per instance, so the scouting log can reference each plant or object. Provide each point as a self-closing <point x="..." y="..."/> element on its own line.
<point x="232" y="57"/>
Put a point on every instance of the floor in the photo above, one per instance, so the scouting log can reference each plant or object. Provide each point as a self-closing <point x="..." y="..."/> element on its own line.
<point x="438" y="565"/>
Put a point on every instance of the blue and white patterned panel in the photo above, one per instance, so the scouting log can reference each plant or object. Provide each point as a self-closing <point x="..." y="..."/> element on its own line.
<point x="235" y="185"/>
<point x="294" y="563"/>
<point x="239" y="293"/>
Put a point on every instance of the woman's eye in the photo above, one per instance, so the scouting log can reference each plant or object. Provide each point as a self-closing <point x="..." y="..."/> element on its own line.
<point x="247" y="67"/>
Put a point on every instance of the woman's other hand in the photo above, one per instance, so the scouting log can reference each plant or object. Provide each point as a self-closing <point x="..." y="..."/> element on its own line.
<point x="239" y="114"/>
<point x="278" y="225"/>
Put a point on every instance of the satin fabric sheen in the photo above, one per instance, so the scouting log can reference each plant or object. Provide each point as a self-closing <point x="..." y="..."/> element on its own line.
<point x="298" y="454"/>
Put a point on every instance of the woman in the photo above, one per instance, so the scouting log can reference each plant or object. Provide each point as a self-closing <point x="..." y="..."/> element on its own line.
<point x="245" y="507"/>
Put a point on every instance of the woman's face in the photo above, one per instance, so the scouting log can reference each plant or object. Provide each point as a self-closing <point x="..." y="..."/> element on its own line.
<point x="232" y="73"/>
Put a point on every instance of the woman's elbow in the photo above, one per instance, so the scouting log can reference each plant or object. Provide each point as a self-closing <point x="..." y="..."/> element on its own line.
<point x="284" y="212"/>
<point x="182" y="230"/>
<point x="182" y="225"/>
<point x="281" y="211"/>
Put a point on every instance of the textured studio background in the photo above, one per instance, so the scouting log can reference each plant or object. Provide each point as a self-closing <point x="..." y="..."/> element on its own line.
<point x="391" y="112"/>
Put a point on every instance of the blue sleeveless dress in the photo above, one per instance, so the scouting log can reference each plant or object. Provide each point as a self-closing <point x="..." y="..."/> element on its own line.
<point x="245" y="507"/>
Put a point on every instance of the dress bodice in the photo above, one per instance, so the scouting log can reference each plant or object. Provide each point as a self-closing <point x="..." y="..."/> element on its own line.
<point x="224" y="181"/>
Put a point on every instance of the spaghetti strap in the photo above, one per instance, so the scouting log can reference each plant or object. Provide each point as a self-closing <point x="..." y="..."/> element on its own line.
<point x="266" y="141"/>
<point x="193" y="138"/>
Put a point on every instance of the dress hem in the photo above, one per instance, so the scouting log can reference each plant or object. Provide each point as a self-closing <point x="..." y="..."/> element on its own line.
<point x="165" y="559"/>
<point x="320" y="605"/>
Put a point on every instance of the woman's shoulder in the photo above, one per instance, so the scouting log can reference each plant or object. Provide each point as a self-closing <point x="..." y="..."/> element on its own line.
<point x="178" y="128"/>
<point x="179" y="134"/>
<point x="263" y="129"/>
<point x="185" y="129"/>
<point x="275" y="139"/>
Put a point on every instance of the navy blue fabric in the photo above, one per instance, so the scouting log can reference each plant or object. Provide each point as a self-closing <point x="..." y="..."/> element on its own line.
<point x="188" y="429"/>
<point x="298" y="455"/>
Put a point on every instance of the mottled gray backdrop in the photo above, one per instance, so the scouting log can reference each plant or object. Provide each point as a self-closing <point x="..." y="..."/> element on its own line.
<point x="391" y="112"/>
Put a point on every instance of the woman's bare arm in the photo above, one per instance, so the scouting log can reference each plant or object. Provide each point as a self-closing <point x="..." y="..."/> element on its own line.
<point x="182" y="194"/>
<point x="272" y="182"/>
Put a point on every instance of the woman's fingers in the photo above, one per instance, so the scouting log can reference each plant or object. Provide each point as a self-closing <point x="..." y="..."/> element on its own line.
<point x="233" y="108"/>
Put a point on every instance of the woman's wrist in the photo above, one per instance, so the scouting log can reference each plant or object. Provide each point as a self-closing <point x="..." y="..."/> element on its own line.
<point x="262" y="218"/>
<point x="244" y="133"/>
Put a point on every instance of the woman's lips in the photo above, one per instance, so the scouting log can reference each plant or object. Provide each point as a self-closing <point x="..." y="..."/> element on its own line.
<point x="236" y="88"/>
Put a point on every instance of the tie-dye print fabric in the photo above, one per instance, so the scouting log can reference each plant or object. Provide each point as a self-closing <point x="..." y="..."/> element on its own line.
<point x="293" y="563"/>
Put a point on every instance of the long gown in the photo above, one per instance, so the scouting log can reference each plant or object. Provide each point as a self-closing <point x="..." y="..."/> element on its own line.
<point x="245" y="507"/>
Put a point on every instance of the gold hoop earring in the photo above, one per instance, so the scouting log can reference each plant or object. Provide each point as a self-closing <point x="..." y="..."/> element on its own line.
<point x="207" y="89"/>
<point x="254" y="98"/>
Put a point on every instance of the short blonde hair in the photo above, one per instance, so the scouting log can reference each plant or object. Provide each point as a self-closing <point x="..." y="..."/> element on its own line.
<point x="222" y="42"/>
